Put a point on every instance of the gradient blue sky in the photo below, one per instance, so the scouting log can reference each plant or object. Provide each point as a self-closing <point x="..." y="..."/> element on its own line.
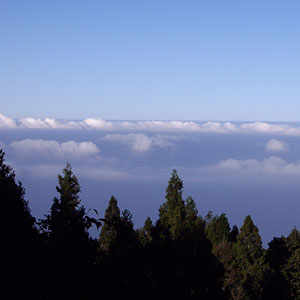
<point x="186" y="60"/>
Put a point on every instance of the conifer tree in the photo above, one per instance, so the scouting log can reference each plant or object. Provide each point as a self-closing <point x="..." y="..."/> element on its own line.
<point x="249" y="244"/>
<point x="293" y="240"/>
<point x="291" y="270"/>
<point x="117" y="235"/>
<point x="185" y="267"/>
<point x="119" y="246"/>
<point x="172" y="212"/>
<point x="292" y="274"/>
<point x="218" y="230"/>
<point x="276" y="286"/>
<point x="112" y="217"/>
<point x="70" y="252"/>
<point x="250" y="262"/>
<point x="145" y="233"/>
<point x="67" y="222"/>
<point x="234" y="234"/>
<point x="191" y="214"/>
<point x="19" y="239"/>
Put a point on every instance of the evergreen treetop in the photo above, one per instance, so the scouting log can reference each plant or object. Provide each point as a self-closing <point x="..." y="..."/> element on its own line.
<point x="172" y="212"/>
<point x="112" y="216"/>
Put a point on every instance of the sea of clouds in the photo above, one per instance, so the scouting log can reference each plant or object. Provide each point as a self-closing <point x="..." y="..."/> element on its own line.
<point x="233" y="167"/>
<point x="173" y="126"/>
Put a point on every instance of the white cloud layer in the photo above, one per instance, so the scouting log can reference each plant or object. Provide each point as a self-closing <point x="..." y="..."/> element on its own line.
<point x="273" y="166"/>
<point x="162" y="126"/>
<point x="140" y="143"/>
<point x="7" y="122"/>
<point x="53" y="149"/>
<point x="274" y="145"/>
<point x="47" y="123"/>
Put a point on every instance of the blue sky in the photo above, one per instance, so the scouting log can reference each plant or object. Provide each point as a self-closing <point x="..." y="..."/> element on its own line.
<point x="155" y="60"/>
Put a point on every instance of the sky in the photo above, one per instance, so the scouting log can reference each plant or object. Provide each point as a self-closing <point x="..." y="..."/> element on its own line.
<point x="150" y="60"/>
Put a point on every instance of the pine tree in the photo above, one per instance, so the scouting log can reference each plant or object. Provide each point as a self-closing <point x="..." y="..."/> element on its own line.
<point x="190" y="213"/>
<point x="293" y="240"/>
<point x="218" y="230"/>
<point x="112" y="217"/>
<point x="19" y="239"/>
<point x="67" y="222"/>
<point x="234" y="234"/>
<point x="291" y="269"/>
<point x="119" y="253"/>
<point x="70" y="252"/>
<point x="172" y="212"/>
<point x="117" y="235"/>
<point x="292" y="274"/>
<point x="145" y="233"/>
<point x="276" y="285"/>
<point x="250" y="262"/>
<point x="184" y="266"/>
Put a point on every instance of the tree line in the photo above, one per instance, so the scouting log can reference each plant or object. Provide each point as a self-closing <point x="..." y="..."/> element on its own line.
<point x="181" y="256"/>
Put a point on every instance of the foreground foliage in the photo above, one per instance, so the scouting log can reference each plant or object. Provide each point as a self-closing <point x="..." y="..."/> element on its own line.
<point x="180" y="256"/>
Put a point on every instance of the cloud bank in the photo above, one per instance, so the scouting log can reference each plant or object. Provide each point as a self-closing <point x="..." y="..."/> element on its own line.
<point x="7" y="122"/>
<point x="161" y="126"/>
<point x="276" y="146"/>
<point x="53" y="149"/>
<point x="273" y="166"/>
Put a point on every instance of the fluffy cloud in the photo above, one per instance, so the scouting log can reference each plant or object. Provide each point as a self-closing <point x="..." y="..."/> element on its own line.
<point x="53" y="149"/>
<point x="99" y="124"/>
<point x="47" y="123"/>
<point x="140" y="143"/>
<point x="273" y="165"/>
<point x="276" y="146"/>
<point x="261" y="127"/>
<point x="7" y="122"/>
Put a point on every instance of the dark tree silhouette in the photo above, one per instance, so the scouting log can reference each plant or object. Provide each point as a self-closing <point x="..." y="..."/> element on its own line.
<point x="120" y="260"/>
<point x="181" y="259"/>
<point x="171" y="213"/>
<point x="181" y="256"/>
<point x="108" y="235"/>
<point x="276" y="285"/>
<point x="145" y="233"/>
<point x="250" y="262"/>
<point x="70" y="252"/>
<point x="19" y="239"/>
